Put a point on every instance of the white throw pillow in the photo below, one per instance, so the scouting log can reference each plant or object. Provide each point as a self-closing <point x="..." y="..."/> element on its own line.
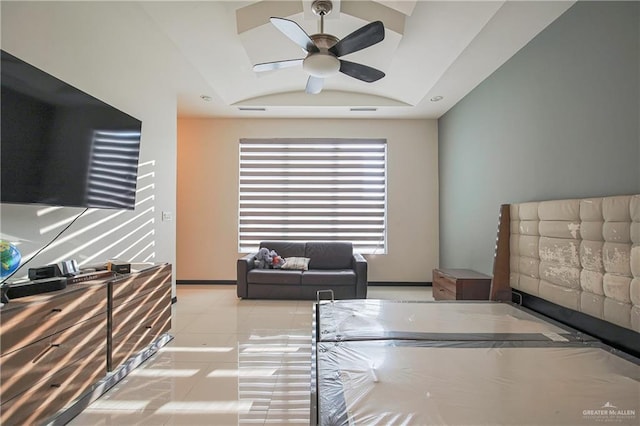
<point x="299" y="263"/>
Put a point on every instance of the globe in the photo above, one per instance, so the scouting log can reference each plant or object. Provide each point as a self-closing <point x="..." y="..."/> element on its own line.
<point x="9" y="258"/>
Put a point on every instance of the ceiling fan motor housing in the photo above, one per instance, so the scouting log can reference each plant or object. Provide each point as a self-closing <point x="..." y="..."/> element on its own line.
<point x="324" y="41"/>
<point x="322" y="64"/>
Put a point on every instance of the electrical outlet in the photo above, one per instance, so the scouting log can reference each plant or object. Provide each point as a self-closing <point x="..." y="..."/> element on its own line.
<point x="167" y="216"/>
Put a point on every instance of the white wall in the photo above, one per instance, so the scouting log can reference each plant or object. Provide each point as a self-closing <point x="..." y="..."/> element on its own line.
<point x="107" y="50"/>
<point x="208" y="159"/>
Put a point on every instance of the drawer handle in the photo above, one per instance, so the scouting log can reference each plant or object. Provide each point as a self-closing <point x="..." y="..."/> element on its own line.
<point x="54" y="311"/>
<point x="44" y="352"/>
<point x="148" y="327"/>
<point x="441" y="289"/>
<point x="55" y="385"/>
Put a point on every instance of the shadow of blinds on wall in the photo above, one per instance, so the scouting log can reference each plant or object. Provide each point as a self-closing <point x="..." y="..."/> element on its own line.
<point x="313" y="190"/>
<point x="113" y="169"/>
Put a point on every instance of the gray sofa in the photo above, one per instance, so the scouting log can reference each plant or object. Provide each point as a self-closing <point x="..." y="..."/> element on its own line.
<point x="332" y="266"/>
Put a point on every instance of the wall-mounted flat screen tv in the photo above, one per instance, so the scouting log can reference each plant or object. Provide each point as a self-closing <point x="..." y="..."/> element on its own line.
<point x="60" y="146"/>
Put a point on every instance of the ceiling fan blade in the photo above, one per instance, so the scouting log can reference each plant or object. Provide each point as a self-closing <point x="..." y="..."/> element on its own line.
<point x="361" y="72"/>
<point x="270" y="66"/>
<point x="314" y="85"/>
<point x="295" y="32"/>
<point x="361" y="38"/>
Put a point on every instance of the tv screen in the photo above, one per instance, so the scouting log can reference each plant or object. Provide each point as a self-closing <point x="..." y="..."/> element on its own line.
<point x="60" y="146"/>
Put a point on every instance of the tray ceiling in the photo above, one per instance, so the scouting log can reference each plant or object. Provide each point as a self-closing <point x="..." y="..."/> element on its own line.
<point x="431" y="49"/>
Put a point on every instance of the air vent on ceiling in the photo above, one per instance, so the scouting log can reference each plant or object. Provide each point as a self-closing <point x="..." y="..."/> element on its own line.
<point x="363" y="109"/>
<point x="252" y="108"/>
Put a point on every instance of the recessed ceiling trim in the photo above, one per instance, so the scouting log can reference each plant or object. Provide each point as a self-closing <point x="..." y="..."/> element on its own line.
<point x="327" y="98"/>
<point x="258" y="14"/>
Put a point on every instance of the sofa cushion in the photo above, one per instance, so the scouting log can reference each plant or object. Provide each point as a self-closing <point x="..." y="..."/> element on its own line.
<point x="329" y="278"/>
<point x="329" y="255"/>
<point x="285" y="248"/>
<point x="274" y="276"/>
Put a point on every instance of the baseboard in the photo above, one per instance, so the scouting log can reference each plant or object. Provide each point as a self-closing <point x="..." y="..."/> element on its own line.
<point x="370" y="283"/>
<point x="399" y="283"/>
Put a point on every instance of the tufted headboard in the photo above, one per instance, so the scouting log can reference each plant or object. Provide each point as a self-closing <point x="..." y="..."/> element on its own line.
<point x="581" y="254"/>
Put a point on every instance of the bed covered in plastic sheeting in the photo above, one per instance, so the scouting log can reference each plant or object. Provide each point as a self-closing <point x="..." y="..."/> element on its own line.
<point x="462" y="320"/>
<point x="475" y="383"/>
<point x="463" y="363"/>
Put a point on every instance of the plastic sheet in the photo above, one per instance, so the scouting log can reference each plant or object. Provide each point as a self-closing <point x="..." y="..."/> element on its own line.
<point x="381" y="319"/>
<point x="474" y="383"/>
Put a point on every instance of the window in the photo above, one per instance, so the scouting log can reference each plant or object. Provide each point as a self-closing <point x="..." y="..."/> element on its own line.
<point x="313" y="189"/>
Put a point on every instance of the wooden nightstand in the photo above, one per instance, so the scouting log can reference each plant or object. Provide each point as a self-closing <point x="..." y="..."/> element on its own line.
<point x="460" y="284"/>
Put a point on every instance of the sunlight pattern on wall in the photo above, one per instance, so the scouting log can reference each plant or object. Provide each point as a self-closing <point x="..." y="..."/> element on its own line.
<point x="97" y="236"/>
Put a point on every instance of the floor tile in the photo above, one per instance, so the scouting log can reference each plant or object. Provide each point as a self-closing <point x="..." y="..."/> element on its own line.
<point x="231" y="362"/>
<point x="110" y="417"/>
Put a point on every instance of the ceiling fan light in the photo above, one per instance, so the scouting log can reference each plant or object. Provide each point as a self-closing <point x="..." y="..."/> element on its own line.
<point x="321" y="65"/>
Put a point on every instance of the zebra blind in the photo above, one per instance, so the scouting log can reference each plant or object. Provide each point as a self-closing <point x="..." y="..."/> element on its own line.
<point x="311" y="190"/>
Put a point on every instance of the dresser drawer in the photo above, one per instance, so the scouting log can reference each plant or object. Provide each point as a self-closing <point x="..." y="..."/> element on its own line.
<point x="445" y="282"/>
<point x="136" y="313"/>
<point x="129" y="288"/>
<point x="135" y="325"/>
<point x="460" y="284"/>
<point x="32" y="318"/>
<point x="23" y="368"/>
<point x="46" y="397"/>
<point x="441" y="293"/>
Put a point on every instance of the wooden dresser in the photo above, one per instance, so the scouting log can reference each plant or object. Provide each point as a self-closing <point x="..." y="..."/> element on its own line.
<point x="140" y="307"/>
<point x="460" y="284"/>
<point x="55" y="347"/>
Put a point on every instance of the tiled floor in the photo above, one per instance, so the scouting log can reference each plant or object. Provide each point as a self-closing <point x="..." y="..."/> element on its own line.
<point x="231" y="362"/>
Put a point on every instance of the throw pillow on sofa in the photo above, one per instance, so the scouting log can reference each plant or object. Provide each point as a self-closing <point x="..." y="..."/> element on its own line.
<point x="299" y="263"/>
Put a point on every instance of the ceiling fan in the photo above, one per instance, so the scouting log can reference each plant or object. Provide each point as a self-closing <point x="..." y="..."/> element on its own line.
<point x="323" y="50"/>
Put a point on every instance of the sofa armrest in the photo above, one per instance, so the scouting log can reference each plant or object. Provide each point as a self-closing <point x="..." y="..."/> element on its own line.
<point x="244" y="265"/>
<point x="360" y="267"/>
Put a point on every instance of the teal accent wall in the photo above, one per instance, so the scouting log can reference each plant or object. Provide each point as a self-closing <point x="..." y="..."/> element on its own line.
<point x="559" y="120"/>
